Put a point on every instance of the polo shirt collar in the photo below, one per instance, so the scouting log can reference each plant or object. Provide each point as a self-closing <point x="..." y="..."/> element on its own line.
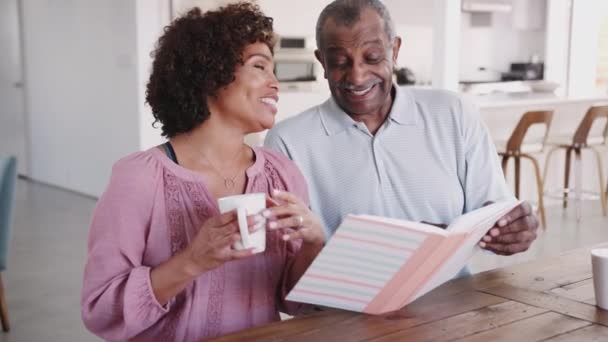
<point x="335" y="120"/>
<point x="404" y="110"/>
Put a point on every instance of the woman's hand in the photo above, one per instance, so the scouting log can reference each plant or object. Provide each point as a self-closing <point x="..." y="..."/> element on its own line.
<point x="212" y="246"/>
<point x="288" y="212"/>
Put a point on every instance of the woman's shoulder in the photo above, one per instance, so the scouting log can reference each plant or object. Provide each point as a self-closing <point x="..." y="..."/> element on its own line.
<point x="278" y="164"/>
<point x="278" y="161"/>
<point x="137" y="171"/>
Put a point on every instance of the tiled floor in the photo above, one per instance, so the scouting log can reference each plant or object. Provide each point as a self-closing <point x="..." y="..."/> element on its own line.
<point x="48" y="253"/>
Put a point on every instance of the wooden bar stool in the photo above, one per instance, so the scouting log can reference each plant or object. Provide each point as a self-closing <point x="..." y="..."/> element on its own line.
<point x="521" y="145"/>
<point x="590" y="134"/>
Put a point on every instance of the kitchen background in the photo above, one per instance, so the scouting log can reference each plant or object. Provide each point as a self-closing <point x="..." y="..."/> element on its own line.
<point x="72" y="73"/>
<point x="72" y="89"/>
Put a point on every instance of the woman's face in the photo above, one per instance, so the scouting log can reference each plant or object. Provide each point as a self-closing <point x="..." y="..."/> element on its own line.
<point x="250" y="101"/>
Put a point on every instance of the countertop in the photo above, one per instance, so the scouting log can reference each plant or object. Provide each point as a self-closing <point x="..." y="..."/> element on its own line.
<point x="501" y="100"/>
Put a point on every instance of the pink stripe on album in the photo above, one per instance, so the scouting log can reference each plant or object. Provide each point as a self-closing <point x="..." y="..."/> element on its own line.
<point x="396" y="226"/>
<point x="316" y="293"/>
<point x="400" y="279"/>
<point x="339" y="236"/>
<point x="342" y="280"/>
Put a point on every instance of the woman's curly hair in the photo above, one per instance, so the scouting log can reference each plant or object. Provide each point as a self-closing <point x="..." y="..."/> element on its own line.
<point x="196" y="56"/>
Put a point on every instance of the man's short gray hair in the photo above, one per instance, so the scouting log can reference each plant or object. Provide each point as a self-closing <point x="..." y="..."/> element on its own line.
<point x="348" y="12"/>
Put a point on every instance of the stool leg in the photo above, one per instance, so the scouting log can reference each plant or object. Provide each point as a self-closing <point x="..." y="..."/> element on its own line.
<point x="600" y="173"/>
<point x="539" y="187"/>
<point x="546" y="169"/>
<point x="578" y="182"/>
<point x="567" y="177"/>
<point x="3" y="309"/>
<point x="517" y="174"/>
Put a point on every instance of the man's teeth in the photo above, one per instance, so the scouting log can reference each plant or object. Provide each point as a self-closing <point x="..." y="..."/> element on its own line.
<point x="269" y="101"/>
<point x="361" y="92"/>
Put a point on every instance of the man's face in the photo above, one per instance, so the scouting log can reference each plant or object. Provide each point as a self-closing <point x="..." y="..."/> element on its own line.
<point x="358" y="63"/>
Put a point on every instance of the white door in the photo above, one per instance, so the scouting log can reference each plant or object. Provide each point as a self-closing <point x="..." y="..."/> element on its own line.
<point x="12" y="110"/>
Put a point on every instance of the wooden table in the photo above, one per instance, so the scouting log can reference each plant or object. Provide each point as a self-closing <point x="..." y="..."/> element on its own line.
<point x="550" y="299"/>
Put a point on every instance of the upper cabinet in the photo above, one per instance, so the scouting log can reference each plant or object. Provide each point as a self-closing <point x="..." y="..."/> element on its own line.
<point x="529" y="14"/>
<point x="486" y="6"/>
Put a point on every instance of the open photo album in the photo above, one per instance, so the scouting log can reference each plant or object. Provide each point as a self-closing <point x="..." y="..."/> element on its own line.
<point x="376" y="265"/>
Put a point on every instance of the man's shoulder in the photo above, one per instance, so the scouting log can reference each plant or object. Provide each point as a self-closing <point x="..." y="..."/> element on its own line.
<point x="439" y="103"/>
<point x="302" y="123"/>
<point x="435" y="97"/>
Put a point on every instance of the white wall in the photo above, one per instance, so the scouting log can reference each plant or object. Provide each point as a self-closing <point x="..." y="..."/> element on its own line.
<point x="446" y="44"/>
<point x="81" y="72"/>
<point x="294" y="18"/>
<point x="13" y="123"/>
<point x="584" y="41"/>
<point x="414" y="24"/>
<point x="495" y="47"/>
<point x="152" y="16"/>
<point x="557" y="43"/>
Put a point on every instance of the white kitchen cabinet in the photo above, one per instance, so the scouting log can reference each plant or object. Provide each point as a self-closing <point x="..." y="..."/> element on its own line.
<point x="182" y="6"/>
<point x="529" y="14"/>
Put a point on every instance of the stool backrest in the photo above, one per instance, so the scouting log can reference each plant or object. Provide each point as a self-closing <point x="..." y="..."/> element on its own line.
<point x="592" y="117"/>
<point x="529" y="119"/>
<point x="8" y="178"/>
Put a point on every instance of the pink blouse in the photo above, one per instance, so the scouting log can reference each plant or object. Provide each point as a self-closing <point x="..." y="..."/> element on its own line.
<point x="152" y="209"/>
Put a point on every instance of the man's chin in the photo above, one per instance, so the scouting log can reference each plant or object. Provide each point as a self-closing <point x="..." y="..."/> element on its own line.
<point x="358" y="109"/>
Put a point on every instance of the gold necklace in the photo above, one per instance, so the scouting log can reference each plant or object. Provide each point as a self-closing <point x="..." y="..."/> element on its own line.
<point x="229" y="181"/>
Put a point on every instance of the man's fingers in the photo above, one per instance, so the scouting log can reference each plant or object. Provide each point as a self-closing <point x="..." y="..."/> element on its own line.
<point x="507" y="249"/>
<point x="525" y="223"/>
<point x="524" y="209"/>
<point x="523" y="236"/>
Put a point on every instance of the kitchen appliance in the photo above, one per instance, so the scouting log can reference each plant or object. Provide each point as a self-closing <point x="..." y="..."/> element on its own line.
<point x="296" y="67"/>
<point x="524" y="72"/>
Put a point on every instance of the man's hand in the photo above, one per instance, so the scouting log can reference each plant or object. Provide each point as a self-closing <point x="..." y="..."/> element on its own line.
<point x="513" y="233"/>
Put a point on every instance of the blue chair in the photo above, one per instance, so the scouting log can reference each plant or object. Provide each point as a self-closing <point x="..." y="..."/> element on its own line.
<point x="8" y="178"/>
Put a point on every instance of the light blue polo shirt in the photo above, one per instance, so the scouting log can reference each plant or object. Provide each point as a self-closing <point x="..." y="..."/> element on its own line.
<point x="432" y="159"/>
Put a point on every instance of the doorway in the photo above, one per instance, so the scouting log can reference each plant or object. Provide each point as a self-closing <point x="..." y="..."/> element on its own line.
<point x="13" y="123"/>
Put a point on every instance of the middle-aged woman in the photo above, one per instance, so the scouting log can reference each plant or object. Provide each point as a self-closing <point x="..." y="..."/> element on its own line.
<point x="160" y="264"/>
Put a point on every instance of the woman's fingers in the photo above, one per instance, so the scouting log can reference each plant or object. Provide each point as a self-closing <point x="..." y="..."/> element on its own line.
<point x="256" y="222"/>
<point x="226" y="240"/>
<point x="285" y="196"/>
<point x="224" y="219"/>
<point x="270" y="202"/>
<point x="244" y="253"/>
<point x="295" y="221"/>
<point x="298" y="234"/>
<point x="284" y="210"/>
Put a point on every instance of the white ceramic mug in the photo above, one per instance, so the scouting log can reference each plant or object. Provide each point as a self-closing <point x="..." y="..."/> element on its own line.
<point x="599" y="264"/>
<point x="247" y="204"/>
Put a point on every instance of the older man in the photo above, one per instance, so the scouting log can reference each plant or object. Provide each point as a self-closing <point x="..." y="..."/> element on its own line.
<point x="375" y="148"/>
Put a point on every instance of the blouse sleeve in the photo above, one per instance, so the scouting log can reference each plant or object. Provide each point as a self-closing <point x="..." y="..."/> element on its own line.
<point x="296" y="184"/>
<point x="117" y="299"/>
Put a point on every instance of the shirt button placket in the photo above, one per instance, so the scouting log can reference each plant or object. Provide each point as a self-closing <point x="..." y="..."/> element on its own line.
<point x="377" y="159"/>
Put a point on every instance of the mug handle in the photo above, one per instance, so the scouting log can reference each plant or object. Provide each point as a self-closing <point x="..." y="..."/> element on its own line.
<point x="243" y="227"/>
